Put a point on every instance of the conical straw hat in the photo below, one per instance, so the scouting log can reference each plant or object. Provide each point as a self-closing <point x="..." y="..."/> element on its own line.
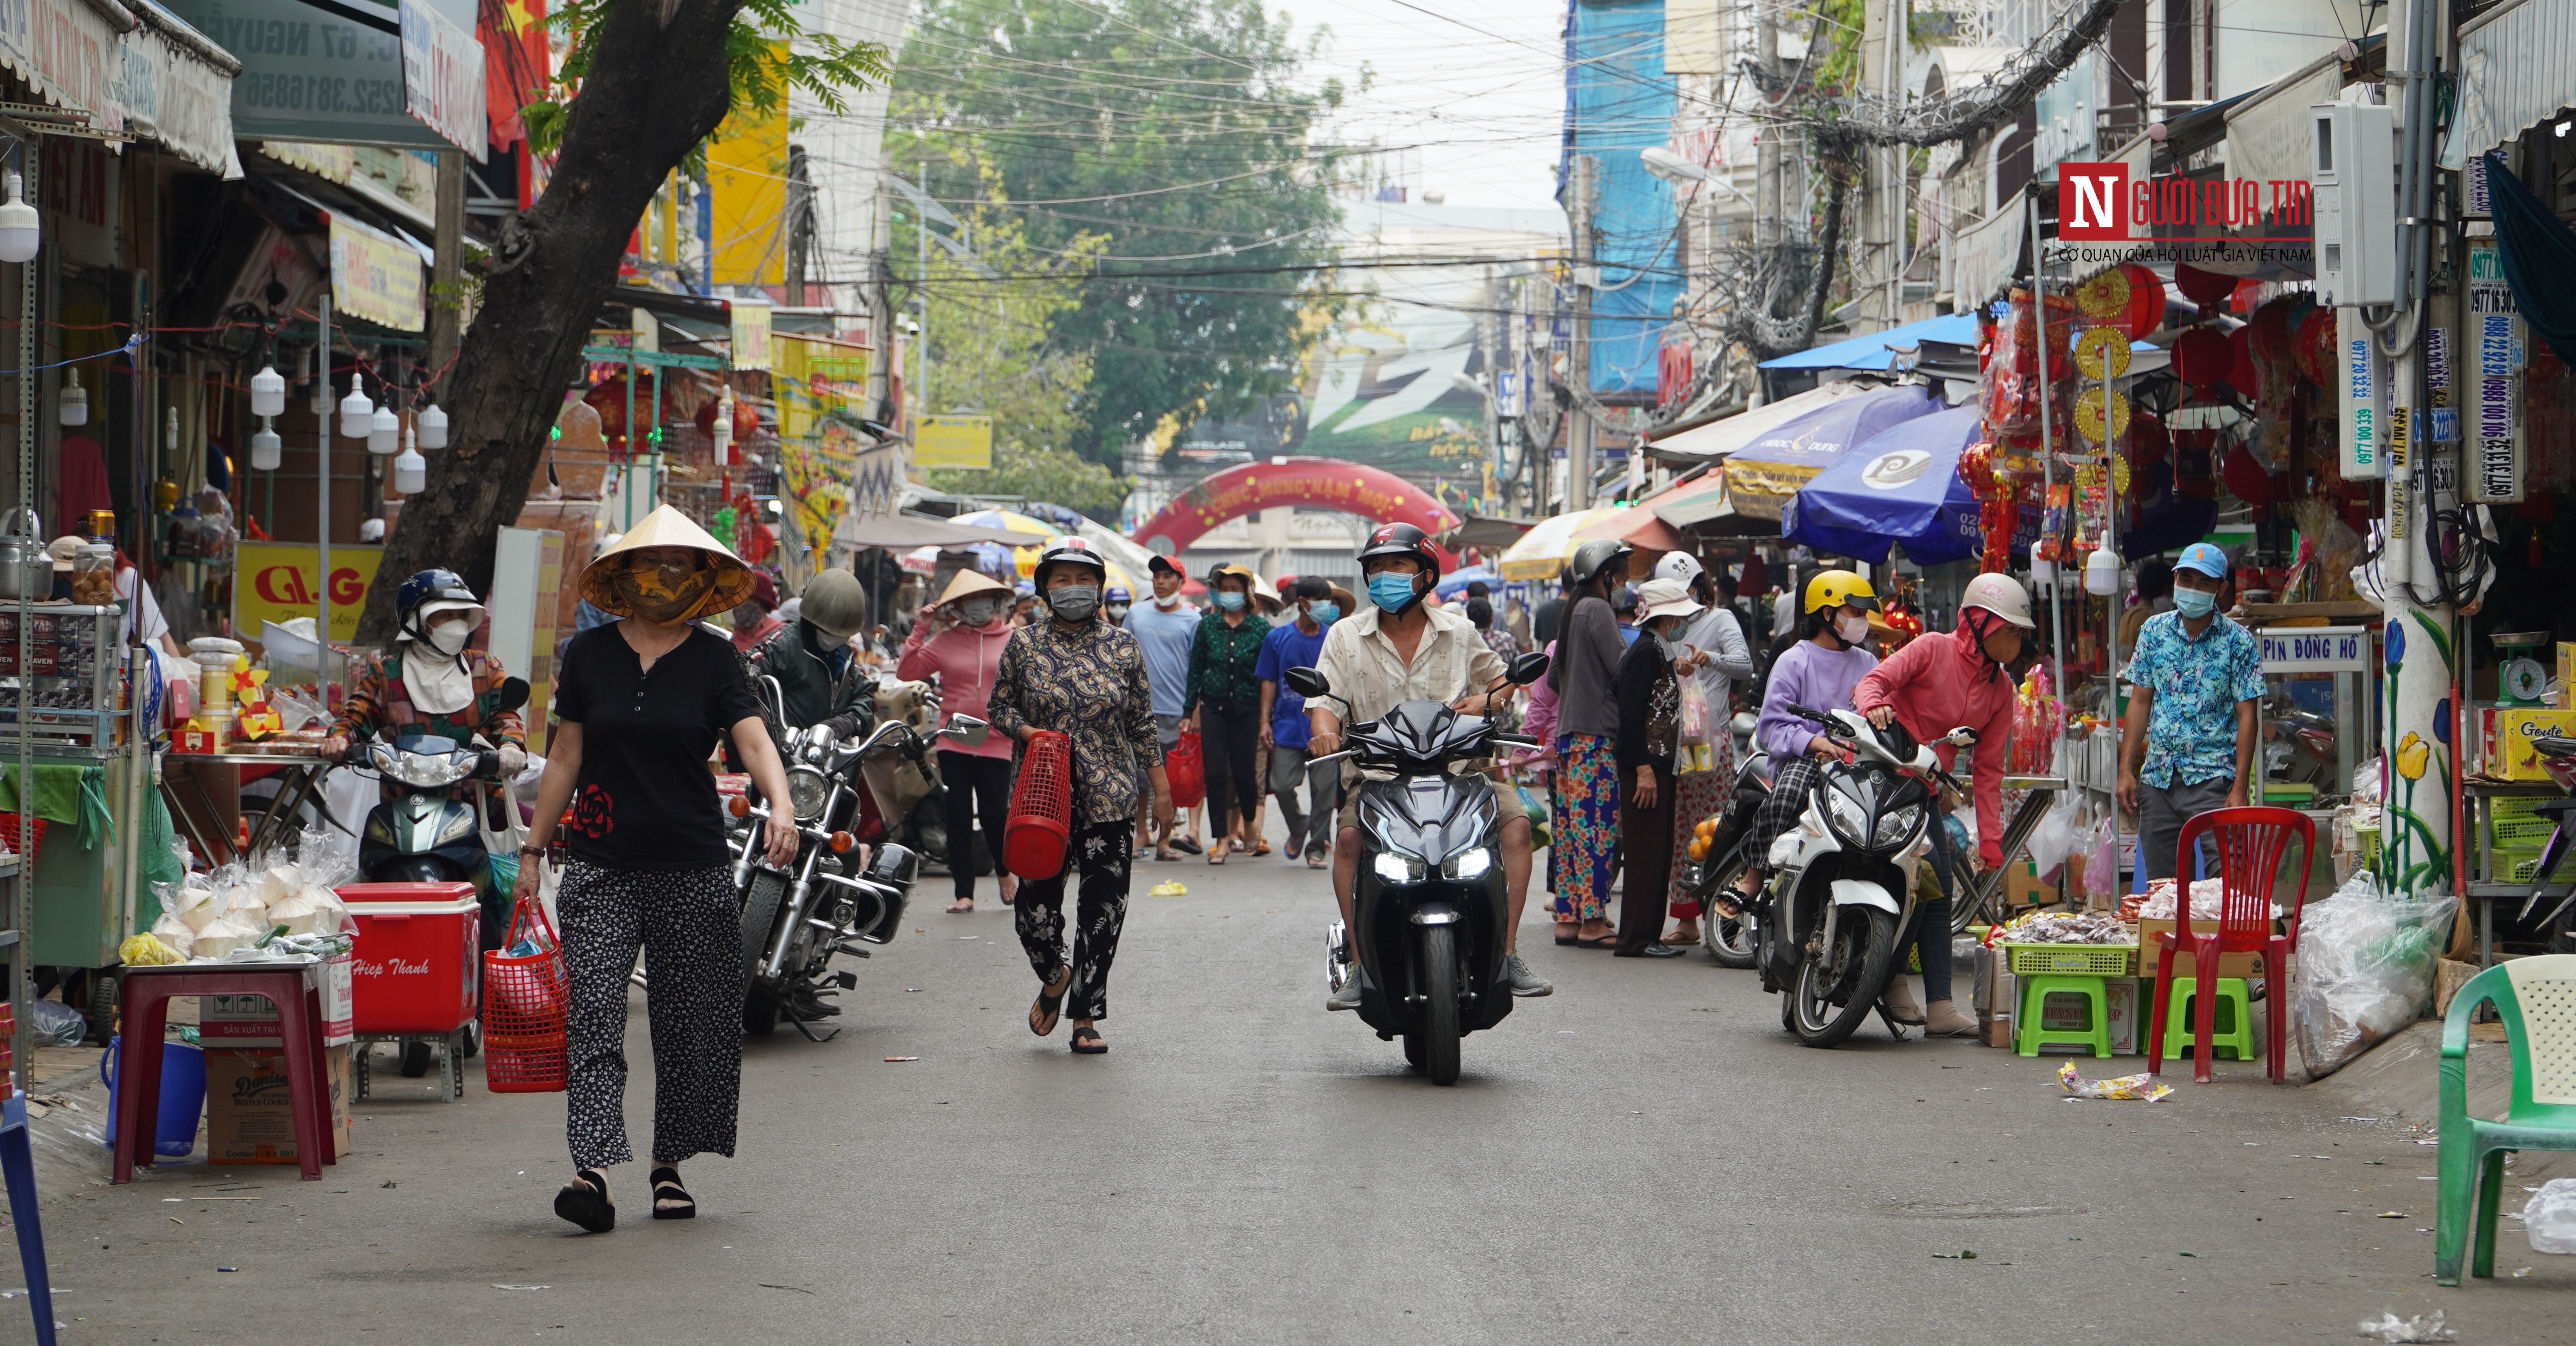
<point x="968" y="583"/>
<point x="668" y="527"/>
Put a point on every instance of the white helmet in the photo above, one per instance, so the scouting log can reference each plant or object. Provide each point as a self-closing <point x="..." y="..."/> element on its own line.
<point x="1678" y="565"/>
<point x="2002" y="596"/>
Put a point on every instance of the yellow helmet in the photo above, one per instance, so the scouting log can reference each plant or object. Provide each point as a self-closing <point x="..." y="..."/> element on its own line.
<point x="1836" y="588"/>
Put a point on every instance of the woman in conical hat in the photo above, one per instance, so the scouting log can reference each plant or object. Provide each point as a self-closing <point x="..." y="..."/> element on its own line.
<point x="640" y="704"/>
<point x="959" y="640"/>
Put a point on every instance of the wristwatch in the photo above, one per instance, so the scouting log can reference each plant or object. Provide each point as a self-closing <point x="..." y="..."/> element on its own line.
<point x="532" y="850"/>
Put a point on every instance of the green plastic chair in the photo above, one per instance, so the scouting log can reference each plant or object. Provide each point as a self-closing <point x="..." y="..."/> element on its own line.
<point x="2536" y="998"/>
<point x="2234" y="1033"/>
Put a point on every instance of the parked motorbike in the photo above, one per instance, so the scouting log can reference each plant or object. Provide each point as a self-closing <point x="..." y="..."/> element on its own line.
<point x="1719" y="862"/>
<point x="827" y="900"/>
<point x="1432" y="922"/>
<point x="1841" y="892"/>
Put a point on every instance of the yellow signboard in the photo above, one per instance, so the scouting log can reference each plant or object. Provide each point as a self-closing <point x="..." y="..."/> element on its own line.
<point x="275" y="581"/>
<point x="375" y="276"/>
<point x="750" y="333"/>
<point x="747" y="178"/>
<point x="955" y="441"/>
<point x="821" y="387"/>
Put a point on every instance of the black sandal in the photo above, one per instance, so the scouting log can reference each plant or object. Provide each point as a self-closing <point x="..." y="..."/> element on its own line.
<point x="1086" y="1040"/>
<point x="584" y="1201"/>
<point x="1043" y="1014"/>
<point x="671" y="1201"/>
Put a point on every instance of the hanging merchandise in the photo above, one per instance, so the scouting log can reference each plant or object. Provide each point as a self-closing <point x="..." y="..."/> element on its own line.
<point x="2127" y="297"/>
<point x="2038" y="723"/>
<point x="2090" y="415"/>
<point x="2202" y="356"/>
<point x="2205" y="288"/>
<point x="2315" y="347"/>
<point x="2012" y="387"/>
<point x="2102" y="353"/>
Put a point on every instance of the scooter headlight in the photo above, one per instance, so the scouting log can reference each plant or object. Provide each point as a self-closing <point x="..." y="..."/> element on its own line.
<point x="426" y="770"/>
<point x="1398" y="868"/>
<point x="807" y="792"/>
<point x="1897" y="824"/>
<point x="1847" y="817"/>
<point x="1467" y="865"/>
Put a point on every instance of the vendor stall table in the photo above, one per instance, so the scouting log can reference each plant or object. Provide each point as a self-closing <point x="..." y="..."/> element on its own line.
<point x="293" y="986"/>
<point x="202" y="811"/>
<point x="2485" y="889"/>
<point x="1977" y="901"/>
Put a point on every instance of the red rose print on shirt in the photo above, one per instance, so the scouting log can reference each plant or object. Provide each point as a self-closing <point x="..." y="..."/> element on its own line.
<point x="592" y="813"/>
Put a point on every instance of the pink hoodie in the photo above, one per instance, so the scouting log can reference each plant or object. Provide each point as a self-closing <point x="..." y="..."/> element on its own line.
<point x="1937" y="683"/>
<point x="965" y="658"/>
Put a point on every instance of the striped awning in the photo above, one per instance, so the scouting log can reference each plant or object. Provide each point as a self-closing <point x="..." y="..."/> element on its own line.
<point x="2517" y="67"/>
<point x="137" y="69"/>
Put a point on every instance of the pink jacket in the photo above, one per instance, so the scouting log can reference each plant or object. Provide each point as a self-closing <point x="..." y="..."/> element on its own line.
<point x="964" y="658"/>
<point x="1540" y="722"/>
<point x="1937" y="683"/>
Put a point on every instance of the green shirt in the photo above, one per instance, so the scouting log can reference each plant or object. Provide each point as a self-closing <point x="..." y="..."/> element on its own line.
<point x="1222" y="663"/>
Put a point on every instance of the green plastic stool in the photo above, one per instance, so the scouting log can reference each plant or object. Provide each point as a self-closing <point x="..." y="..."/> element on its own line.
<point x="2233" y="1032"/>
<point x="2029" y="1036"/>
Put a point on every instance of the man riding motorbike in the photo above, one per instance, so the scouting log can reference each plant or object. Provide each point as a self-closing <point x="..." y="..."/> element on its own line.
<point x="1401" y="649"/>
<point x="818" y="673"/>
<point x="1936" y="683"/>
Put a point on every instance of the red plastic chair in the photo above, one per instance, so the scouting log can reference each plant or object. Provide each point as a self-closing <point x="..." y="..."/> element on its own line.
<point x="2251" y="843"/>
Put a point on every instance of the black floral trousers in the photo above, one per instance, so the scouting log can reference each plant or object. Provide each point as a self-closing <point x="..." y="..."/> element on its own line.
<point x="687" y="922"/>
<point x="1099" y="852"/>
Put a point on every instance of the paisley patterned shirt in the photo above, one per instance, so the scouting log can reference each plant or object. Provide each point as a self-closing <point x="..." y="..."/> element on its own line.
<point x="381" y="705"/>
<point x="1087" y="682"/>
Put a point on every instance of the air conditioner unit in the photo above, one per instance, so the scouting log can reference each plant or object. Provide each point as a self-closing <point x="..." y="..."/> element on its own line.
<point x="2352" y="163"/>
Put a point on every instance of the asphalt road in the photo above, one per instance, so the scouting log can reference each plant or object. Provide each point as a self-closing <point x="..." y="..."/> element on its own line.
<point x="1642" y="1157"/>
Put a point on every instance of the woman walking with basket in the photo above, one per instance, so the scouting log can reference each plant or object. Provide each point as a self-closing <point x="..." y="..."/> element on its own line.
<point x="1075" y="675"/>
<point x="640" y="705"/>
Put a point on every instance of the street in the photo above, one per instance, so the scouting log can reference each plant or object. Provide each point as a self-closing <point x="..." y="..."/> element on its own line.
<point x="1643" y="1157"/>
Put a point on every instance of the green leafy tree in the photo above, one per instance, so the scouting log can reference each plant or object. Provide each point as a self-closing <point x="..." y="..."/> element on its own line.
<point x="1175" y="131"/>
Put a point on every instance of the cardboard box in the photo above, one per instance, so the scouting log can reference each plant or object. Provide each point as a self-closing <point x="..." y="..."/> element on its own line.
<point x="1994" y="997"/>
<point x="251" y="1021"/>
<point x="2566" y="669"/>
<point x="2513" y="757"/>
<point x="2246" y="965"/>
<point x="249" y="1116"/>
<point x="2022" y="887"/>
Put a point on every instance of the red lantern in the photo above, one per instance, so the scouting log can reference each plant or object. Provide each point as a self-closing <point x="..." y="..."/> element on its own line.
<point x="2146" y="311"/>
<point x="746" y="420"/>
<point x="2272" y="333"/>
<point x="2246" y="478"/>
<point x="2201" y="356"/>
<point x="2149" y="441"/>
<point x="2203" y="287"/>
<point x="2240" y="369"/>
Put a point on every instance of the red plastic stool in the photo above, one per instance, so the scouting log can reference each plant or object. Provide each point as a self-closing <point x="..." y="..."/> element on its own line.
<point x="296" y="990"/>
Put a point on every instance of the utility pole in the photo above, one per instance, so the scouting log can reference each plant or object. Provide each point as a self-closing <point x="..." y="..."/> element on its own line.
<point x="800" y="224"/>
<point x="881" y="302"/>
<point x="447" y="246"/>
<point x="921" y="297"/>
<point x="1579" y="431"/>
<point x="1882" y="212"/>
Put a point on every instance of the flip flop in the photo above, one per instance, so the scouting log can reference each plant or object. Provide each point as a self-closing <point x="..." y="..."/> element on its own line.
<point x="1086" y="1042"/>
<point x="1166" y="857"/>
<point x="1262" y="849"/>
<point x="584" y="1201"/>
<point x="1043" y="1014"/>
<point x="1318" y="862"/>
<point x="1600" y="942"/>
<point x="960" y="906"/>
<point x="1217" y="856"/>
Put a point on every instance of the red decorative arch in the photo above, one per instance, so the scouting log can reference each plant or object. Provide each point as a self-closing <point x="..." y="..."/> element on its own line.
<point x="1368" y="492"/>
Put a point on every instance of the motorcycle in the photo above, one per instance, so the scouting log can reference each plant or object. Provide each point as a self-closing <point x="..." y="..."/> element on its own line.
<point x="1718" y="860"/>
<point x="421" y="835"/>
<point x="1841" y="892"/>
<point x="1430" y="908"/>
<point x="826" y="901"/>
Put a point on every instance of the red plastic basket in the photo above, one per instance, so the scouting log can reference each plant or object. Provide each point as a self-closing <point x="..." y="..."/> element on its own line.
<point x="527" y="1009"/>
<point x="24" y="837"/>
<point x="1187" y="771"/>
<point x="1041" y="821"/>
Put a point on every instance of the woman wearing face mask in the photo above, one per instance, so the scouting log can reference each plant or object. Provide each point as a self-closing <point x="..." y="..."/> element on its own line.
<point x="1587" y="731"/>
<point x="640" y="704"/>
<point x="1819" y="672"/>
<point x="1649" y="694"/>
<point x="1223" y="705"/>
<point x="960" y="642"/>
<point x="1077" y="675"/>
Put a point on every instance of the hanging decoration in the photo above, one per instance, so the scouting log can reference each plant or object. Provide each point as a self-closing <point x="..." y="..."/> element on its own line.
<point x="2205" y="288"/>
<point x="2093" y="406"/>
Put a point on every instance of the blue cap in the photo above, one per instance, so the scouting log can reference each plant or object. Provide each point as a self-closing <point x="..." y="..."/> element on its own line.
<point x="1117" y="594"/>
<point x="2205" y="558"/>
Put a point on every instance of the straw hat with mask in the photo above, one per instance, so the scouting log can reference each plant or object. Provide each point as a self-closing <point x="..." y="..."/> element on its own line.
<point x="666" y="571"/>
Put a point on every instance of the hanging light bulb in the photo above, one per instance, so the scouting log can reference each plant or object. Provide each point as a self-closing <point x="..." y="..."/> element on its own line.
<point x="265" y="447"/>
<point x="2102" y="571"/>
<point x="268" y="392"/>
<point x="432" y="423"/>
<point x="411" y="471"/>
<point x="382" y="428"/>
<point x="723" y="431"/>
<point x="73" y="406"/>
<point x="20" y="227"/>
<point x="357" y="414"/>
<point x="170" y="431"/>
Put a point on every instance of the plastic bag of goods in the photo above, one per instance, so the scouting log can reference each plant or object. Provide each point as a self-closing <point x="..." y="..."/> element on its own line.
<point x="229" y="932"/>
<point x="2549" y="1218"/>
<point x="56" y="1024"/>
<point x="2366" y="968"/>
<point x="2053" y="840"/>
<point x="2101" y="865"/>
<point x="313" y="910"/>
<point x="175" y="932"/>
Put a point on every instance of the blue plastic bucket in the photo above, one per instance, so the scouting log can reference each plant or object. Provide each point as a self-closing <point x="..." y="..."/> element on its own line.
<point x="183" y="1096"/>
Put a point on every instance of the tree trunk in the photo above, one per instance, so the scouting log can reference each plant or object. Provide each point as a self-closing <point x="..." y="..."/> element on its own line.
<point x="658" y="86"/>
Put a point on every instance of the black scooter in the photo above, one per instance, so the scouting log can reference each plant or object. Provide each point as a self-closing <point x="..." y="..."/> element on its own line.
<point x="1433" y="925"/>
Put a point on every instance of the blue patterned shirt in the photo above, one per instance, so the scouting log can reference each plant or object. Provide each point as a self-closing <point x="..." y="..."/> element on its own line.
<point x="2191" y="727"/>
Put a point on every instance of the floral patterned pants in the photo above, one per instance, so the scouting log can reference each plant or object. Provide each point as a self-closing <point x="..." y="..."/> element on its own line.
<point x="1586" y="827"/>
<point x="1101" y="852"/>
<point x="1700" y="794"/>
<point x="687" y="922"/>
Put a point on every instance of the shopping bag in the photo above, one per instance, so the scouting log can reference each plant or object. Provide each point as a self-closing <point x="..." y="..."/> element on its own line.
<point x="1041" y="818"/>
<point x="1695" y="712"/>
<point x="527" y="1007"/>
<point x="1536" y="809"/>
<point x="1187" y="772"/>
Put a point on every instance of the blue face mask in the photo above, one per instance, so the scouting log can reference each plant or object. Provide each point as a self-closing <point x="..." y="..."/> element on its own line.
<point x="1390" y="591"/>
<point x="1324" y="613"/>
<point x="2194" y="603"/>
<point x="1229" y="600"/>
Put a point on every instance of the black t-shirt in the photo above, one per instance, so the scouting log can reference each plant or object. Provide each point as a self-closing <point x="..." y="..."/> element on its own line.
<point x="645" y="798"/>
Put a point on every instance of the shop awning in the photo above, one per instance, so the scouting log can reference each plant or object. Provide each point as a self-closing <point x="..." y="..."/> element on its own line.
<point x="902" y="532"/>
<point x="1717" y="439"/>
<point x="2517" y="67"/>
<point x="1476" y="530"/>
<point x="2267" y="134"/>
<point x="145" y="73"/>
<point x="1765" y="473"/>
<point x="1638" y="526"/>
<point x="1878" y="349"/>
<point x="1902" y="486"/>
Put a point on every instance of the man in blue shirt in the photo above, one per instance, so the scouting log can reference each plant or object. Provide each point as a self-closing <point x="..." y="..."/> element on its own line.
<point x="2188" y="745"/>
<point x="1165" y="629"/>
<point x="1284" y="730"/>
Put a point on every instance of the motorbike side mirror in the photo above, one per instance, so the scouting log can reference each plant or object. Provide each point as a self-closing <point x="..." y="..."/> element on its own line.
<point x="1529" y="668"/>
<point x="514" y="694"/>
<point x="1308" y="683"/>
<point x="966" y="729"/>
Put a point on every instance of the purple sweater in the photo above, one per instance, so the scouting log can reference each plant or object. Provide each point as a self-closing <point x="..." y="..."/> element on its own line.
<point x="1814" y="677"/>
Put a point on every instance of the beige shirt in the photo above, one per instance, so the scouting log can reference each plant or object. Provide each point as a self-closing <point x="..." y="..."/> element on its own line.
<point x="1360" y="661"/>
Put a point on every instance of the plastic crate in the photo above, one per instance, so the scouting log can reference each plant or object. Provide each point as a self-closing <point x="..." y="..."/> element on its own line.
<point x="2071" y="960"/>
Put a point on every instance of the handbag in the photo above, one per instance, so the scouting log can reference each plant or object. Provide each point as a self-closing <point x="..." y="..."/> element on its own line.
<point x="1041" y="818"/>
<point x="527" y="1008"/>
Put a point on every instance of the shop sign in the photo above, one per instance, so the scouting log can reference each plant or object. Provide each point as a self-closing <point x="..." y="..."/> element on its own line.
<point x="275" y="581"/>
<point x="955" y="441"/>
<point x="2495" y="369"/>
<point x="375" y="276"/>
<point x="2100" y="203"/>
<point x="442" y="66"/>
<point x="332" y="73"/>
<point x="2314" y="649"/>
<point x="751" y="326"/>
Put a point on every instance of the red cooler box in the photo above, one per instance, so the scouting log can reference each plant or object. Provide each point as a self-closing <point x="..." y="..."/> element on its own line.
<point x="418" y="956"/>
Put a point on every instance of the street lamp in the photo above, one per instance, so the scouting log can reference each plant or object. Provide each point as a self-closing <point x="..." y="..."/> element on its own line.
<point x="1671" y="167"/>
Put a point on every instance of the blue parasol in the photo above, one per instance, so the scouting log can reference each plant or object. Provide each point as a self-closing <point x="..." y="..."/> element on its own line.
<point x="1901" y="485"/>
<point x="1763" y="475"/>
